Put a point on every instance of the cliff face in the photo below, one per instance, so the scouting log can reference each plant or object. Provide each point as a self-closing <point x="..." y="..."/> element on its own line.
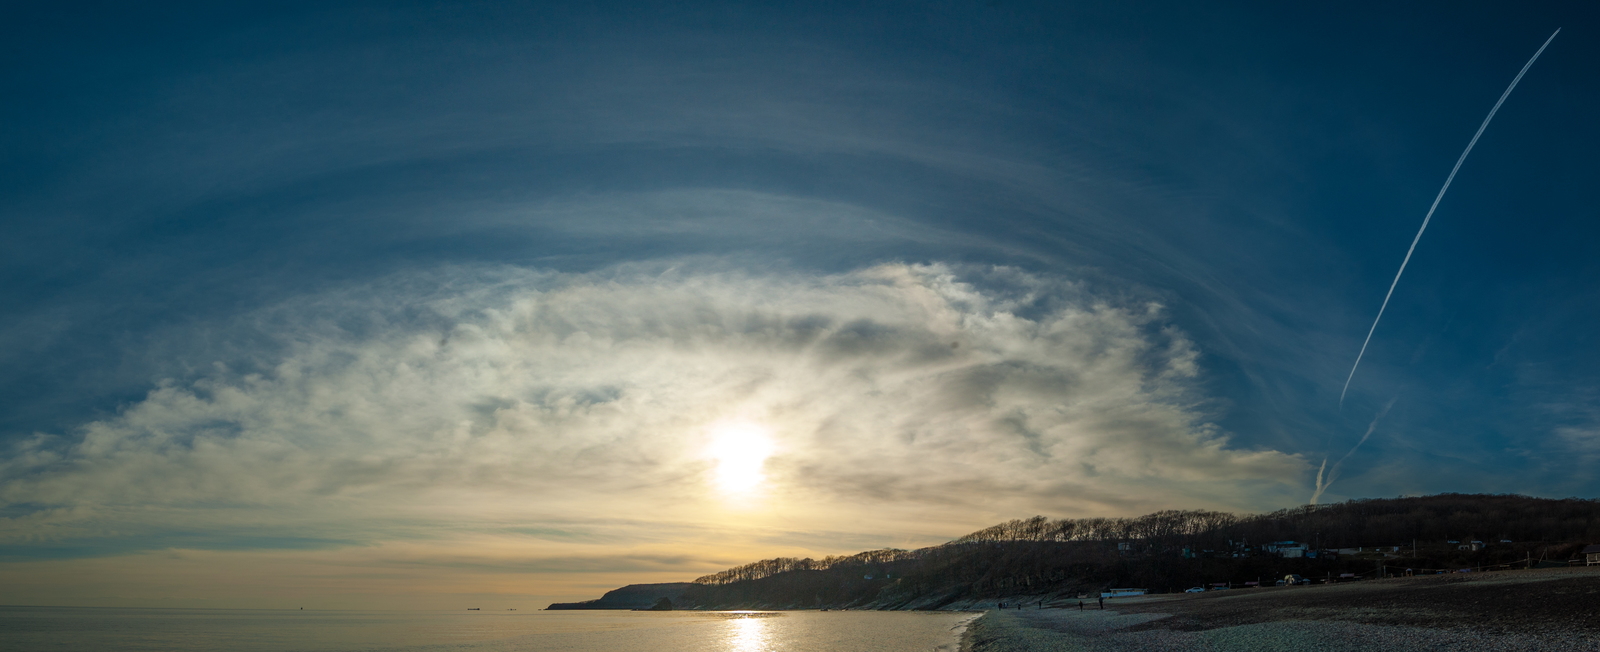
<point x="632" y="596"/>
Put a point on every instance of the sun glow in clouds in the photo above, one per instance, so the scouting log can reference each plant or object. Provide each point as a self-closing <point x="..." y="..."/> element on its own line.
<point x="741" y="450"/>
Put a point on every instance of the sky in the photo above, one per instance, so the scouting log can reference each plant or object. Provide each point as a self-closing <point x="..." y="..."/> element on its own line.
<point x="416" y="305"/>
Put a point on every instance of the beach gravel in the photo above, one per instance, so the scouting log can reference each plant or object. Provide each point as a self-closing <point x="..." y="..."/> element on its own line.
<point x="1529" y="610"/>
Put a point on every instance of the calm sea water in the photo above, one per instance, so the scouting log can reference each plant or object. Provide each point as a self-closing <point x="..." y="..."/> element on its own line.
<point x="34" y="629"/>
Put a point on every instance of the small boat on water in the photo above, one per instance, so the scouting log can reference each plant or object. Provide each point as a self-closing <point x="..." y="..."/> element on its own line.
<point x="473" y="609"/>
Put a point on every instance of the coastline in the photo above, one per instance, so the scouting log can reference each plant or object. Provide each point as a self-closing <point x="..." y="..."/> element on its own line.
<point x="959" y="632"/>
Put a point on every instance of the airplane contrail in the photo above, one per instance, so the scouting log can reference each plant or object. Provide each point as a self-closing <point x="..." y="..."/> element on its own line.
<point x="1333" y="474"/>
<point x="1318" y="493"/>
<point x="1435" y="205"/>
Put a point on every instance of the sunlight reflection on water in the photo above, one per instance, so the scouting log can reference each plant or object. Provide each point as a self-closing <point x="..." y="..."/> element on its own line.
<point x="749" y="635"/>
<point x="37" y="629"/>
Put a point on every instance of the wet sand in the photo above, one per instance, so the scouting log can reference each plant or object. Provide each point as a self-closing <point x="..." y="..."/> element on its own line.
<point x="1517" y="610"/>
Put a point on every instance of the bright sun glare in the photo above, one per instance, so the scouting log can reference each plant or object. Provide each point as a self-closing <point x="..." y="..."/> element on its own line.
<point x="740" y="450"/>
<point x="749" y="634"/>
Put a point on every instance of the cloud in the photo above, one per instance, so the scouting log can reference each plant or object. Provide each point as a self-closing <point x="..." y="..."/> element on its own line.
<point x="1583" y="441"/>
<point x="475" y="400"/>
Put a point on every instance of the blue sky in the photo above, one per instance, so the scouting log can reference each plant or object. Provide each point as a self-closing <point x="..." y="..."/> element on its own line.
<point x="280" y="278"/>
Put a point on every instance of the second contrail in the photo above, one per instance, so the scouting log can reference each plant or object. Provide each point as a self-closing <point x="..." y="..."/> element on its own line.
<point x="1333" y="474"/>
<point x="1435" y="205"/>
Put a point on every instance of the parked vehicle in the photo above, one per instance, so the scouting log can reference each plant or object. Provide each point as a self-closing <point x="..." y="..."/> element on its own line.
<point x="1198" y="589"/>
<point x="1292" y="579"/>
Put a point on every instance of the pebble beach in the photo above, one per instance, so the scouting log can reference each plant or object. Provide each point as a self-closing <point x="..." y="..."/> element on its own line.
<point x="1520" y="610"/>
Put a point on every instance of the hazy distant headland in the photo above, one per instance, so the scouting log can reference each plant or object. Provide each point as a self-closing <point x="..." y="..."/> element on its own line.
<point x="1167" y="551"/>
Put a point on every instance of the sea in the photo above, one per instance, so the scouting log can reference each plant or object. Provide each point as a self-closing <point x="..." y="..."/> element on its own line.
<point x="37" y="629"/>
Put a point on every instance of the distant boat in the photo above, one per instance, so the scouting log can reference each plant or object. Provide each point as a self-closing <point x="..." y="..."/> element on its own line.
<point x="473" y="609"/>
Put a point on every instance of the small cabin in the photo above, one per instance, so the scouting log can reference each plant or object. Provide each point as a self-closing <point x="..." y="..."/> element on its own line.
<point x="1592" y="553"/>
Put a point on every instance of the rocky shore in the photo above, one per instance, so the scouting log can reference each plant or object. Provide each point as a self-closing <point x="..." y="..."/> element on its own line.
<point x="1515" y="610"/>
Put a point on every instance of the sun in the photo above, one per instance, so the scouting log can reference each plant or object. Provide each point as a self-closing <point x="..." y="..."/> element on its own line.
<point x="741" y="450"/>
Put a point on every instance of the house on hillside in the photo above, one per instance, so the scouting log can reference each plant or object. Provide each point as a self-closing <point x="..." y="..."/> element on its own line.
<point x="1593" y="554"/>
<point x="1288" y="549"/>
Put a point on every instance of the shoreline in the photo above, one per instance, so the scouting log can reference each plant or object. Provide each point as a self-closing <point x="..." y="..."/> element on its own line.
<point x="959" y="632"/>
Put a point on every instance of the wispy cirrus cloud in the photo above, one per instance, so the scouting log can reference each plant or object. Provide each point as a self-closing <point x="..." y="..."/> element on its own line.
<point x="499" y="396"/>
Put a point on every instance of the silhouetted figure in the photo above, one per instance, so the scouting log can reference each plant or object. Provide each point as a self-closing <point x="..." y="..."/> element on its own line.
<point x="1080" y="605"/>
<point x="1102" y="602"/>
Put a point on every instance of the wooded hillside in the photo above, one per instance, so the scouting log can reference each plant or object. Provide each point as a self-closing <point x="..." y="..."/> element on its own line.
<point x="1170" y="550"/>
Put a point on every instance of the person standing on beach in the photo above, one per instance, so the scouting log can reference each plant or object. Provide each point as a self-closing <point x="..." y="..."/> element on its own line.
<point x="1080" y="605"/>
<point x="1102" y="602"/>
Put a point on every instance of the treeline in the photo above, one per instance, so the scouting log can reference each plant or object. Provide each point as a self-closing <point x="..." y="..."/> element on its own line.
<point x="1171" y="526"/>
<point x="1164" y="526"/>
<point x="770" y="567"/>
<point x="1354" y="523"/>
<point x="1428" y="518"/>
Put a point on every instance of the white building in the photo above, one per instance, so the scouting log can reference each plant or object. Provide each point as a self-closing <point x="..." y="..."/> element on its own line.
<point x="1289" y="549"/>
